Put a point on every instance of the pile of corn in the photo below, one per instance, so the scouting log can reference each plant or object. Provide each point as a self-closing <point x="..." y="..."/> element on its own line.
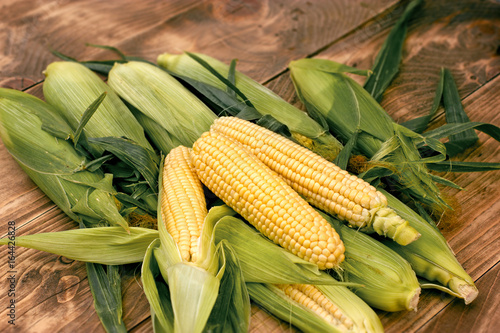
<point x="319" y="274"/>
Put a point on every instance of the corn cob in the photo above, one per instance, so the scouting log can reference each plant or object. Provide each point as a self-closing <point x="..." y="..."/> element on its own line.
<point x="321" y="182"/>
<point x="259" y="195"/>
<point x="321" y="308"/>
<point x="183" y="203"/>
<point x="302" y="127"/>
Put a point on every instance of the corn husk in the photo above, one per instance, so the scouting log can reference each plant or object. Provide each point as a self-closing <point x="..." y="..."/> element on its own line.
<point x="388" y="281"/>
<point x="53" y="163"/>
<point x="432" y="258"/>
<point x="71" y="87"/>
<point x="275" y="301"/>
<point x="161" y="98"/>
<point x="100" y="245"/>
<point x="324" y="88"/>
<point x="303" y="128"/>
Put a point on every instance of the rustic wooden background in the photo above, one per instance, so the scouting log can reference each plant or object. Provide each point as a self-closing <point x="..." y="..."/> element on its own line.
<point x="52" y="293"/>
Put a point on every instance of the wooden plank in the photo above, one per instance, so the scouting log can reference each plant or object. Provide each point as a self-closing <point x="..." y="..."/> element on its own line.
<point x="265" y="34"/>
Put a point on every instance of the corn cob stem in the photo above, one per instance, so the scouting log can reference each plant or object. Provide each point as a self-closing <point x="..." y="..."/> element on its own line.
<point x="321" y="182"/>
<point x="259" y="195"/>
<point x="183" y="203"/>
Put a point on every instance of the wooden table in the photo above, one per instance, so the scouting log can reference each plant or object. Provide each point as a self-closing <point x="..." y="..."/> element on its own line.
<point x="52" y="293"/>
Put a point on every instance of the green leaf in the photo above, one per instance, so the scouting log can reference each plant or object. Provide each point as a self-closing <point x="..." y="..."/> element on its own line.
<point x="231" y="76"/>
<point x="221" y="101"/>
<point x="212" y="70"/>
<point x="86" y="117"/>
<point x="158" y="301"/>
<point x="458" y="166"/>
<point x="231" y="312"/>
<point x="386" y="64"/>
<point x="106" y="290"/>
<point x="452" y="129"/>
<point x="342" y="160"/>
<point x="111" y="48"/>
<point x="102" y="245"/>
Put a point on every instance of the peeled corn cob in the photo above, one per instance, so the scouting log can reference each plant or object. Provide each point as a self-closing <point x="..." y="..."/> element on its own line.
<point x="183" y="203"/>
<point x="264" y="199"/>
<point x="321" y="182"/>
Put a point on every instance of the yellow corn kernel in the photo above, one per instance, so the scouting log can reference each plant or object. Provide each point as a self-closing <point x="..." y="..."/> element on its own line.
<point x="183" y="203"/>
<point x="321" y="182"/>
<point x="310" y="297"/>
<point x="276" y="210"/>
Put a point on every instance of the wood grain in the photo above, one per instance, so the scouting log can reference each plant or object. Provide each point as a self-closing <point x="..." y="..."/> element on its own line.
<point x="53" y="292"/>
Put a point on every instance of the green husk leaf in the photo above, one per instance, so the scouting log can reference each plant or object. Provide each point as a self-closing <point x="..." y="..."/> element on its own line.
<point x="279" y="266"/>
<point x="111" y="48"/>
<point x="386" y="64"/>
<point x="165" y="300"/>
<point x="342" y="160"/>
<point x="159" y="302"/>
<point x="102" y="245"/>
<point x="420" y="124"/>
<point x="89" y="112"/>
<point x="231" y="311"/>
<point x="272" y="124"/>
<point x="193" y="292"/>
<point x="275" y="301"/>
<point x="111" y="119"/>
<point x="231" y="76"/>
<point x="227" y="82"/>
<point x="163" y="99"/>
<point x="459" y="166"/>
<point x="431" y="256"/>
<point x="106" y="290"/>
<point x="455" y="113"/>
<point x="138" y="157"/>
<point x="452" y="129"/>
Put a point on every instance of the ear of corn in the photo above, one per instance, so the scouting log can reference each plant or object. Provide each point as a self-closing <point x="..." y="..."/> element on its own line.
<point x="254" y="191"/>
<point x="325" y="89"/>
<point x="303" y="128"/>
<point x="387" y="281"/>
<point x="71" y="87"/>
<point x="311" y="308"/>
<point x="431" y="257"/>
<point x="321" y="182"/>
<point x="163" y="99"/>
<point x="183" y="206"/>
<point x="53" y="164"/>
<point x="195" y="269"/>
